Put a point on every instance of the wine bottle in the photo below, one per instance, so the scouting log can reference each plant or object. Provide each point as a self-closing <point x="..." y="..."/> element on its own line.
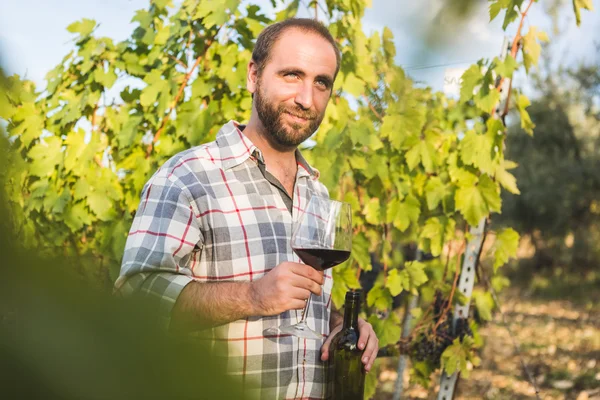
<point x="346" y="370"/>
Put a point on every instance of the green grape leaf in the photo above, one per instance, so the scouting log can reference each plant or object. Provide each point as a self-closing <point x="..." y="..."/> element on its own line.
<point x="358" y="161"/>
<point x="413" y="156"/>
<point x="76" y="216"/>
<point x="126" y="135"/>
<point x="338" y="292"/>
<point x="60" y="203"/>
<point x="491" y="194"/>
<point x="487" y="98"/>
<point x="162" y="4"/>
<point x="505" y="247"/>
<point x="476" y="150"/>
<point x="434" y="232"/>
<point x="578" y="5"/>
<point x="531" y="48"/>
<point x="372" y="211"/>
<point x="435" y="191"/>
<point x="290" y="11"/>
<point x="526" y="124"/>
<point x="388" y="43"/>
<point x="455" y="357"/>
<point x="151" y="92"/>
<point x="484" y="303"/>
<point x="471" y="204"/>
<point x="500" y="282"/>
<point x="396" y="282"/>
<point x="387" y="330"/>
<point x="512" y="10"/>
<point x="360" y="251"/>
<point x="81" y="189"/>
<point x="470" y="79"/>
<point x="83" y="27"/>
<point x="406" y="212"/>
<point x="495" y="9"/>
<point x="507" y="180"/>
<point x="416" y="272"/>
<point x="354" y="85"/>
<point x="507" y="67"/>
<point x="29" y="123"/>
<point x="105" y="78"/>
<point x="100" y="205"/>
<point x="380" y="298"/>
<point x="45" y="156"/>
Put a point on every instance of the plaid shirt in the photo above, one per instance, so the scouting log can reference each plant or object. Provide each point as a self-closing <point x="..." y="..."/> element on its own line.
<point x="210" y="215"/>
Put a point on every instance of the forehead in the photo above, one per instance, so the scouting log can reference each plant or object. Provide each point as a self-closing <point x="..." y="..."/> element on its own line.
<point x="305" y="50"/>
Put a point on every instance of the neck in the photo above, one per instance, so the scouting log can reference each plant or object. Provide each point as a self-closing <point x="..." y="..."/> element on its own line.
<point x="351" y="311"/>
<point x="275" y="156"/>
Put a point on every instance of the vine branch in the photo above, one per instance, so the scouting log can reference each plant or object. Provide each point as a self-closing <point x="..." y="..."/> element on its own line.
<point x="372" y="107"/>
<point x="178" y="61"/>
<point x="513" y="52"/>
<point x="180" y="93"/>
<point x="454" y="284"/>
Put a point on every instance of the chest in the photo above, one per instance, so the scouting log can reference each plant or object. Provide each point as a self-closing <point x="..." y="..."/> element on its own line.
<point x="287" y="178"/>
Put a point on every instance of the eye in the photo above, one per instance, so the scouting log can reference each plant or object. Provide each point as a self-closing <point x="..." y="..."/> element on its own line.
<point x="323" y="84"/>
<point x="291" y="75"/>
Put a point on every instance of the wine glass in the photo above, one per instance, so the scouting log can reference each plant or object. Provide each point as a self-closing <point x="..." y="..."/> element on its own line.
<point x="322" y="238"/>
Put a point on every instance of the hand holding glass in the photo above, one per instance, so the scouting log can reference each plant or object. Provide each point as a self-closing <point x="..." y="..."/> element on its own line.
<point x="322" y="238"/>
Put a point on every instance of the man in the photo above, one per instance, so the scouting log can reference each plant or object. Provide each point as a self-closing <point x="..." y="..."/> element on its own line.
<point x="211" y="238"/>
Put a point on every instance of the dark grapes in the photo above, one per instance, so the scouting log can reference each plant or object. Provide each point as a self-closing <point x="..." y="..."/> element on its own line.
<point x="463" y="328"/>
<point x="429" y="346"/>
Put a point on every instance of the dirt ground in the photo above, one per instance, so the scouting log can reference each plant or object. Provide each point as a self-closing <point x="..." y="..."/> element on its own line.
<point x="559" y="341"/>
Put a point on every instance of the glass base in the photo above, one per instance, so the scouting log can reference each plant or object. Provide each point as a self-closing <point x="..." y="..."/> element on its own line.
<point x="301" y="330"/>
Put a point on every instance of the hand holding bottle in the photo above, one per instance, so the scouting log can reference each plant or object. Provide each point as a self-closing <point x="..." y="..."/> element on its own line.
<point x="367" y="341"/>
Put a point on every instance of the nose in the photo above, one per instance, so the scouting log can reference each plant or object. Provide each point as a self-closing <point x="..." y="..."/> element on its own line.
<point x="304" y="96"/>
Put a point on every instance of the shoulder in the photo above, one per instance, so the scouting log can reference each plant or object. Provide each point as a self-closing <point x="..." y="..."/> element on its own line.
<point x="319" y="188"/>
<point x="191" y="166"/>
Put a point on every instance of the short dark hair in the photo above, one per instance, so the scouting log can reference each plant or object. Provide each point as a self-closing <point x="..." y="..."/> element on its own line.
<point x="269" y="36"/>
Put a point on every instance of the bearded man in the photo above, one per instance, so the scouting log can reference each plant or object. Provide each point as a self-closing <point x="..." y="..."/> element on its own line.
<point x="210" y="241"/>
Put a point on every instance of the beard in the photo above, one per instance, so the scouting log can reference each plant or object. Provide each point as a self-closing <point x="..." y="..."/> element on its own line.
<point x="283" y="134"/>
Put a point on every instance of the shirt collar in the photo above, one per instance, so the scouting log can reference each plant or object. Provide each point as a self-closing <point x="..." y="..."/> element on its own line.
<point x="236" y="148"/>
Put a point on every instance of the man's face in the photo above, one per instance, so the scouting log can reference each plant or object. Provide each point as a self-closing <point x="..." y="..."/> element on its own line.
<point x="292" y="92"/>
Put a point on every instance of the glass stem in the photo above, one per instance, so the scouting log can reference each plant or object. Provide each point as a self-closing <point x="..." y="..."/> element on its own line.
<point x="303" y="320"/>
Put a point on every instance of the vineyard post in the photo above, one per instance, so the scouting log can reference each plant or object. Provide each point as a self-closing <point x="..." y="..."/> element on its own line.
<point x="471" y="258"/>
<point x="414" y="299"/>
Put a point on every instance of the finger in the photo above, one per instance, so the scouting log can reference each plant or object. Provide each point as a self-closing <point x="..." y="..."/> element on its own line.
<point x="370" y="353"/>
<point x="299" y="293"/>
<point x="309" y="272"/>
<point x="307" y="284"/>
<point x="325" y="348"/>
<point x="298" y="304"/>
<point x="364" y="332"/>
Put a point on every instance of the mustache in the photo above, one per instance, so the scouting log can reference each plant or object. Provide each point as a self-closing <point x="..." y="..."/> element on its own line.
<point x="298" y="112"/>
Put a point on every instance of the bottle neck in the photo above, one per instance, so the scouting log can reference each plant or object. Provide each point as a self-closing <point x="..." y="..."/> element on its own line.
<point x="351" y="311"/>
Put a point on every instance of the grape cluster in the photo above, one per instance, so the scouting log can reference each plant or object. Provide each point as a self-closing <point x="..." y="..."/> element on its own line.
<point x="463" y="328"/>
<point x="429" y="345"/>
<point x="430" y="348"/>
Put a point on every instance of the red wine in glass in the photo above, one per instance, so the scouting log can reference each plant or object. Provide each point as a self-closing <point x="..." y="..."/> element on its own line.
<point x="322" y="259"/>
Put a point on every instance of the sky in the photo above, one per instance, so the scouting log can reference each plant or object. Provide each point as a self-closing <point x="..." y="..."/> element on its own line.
<point x="34" y="39"/>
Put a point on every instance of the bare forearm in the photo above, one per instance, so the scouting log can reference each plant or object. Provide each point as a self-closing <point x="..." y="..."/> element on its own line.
<point x="202" y="305"/>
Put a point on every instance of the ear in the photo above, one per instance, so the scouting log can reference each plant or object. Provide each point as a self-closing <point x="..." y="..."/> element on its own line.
<point x="252" y="77"/>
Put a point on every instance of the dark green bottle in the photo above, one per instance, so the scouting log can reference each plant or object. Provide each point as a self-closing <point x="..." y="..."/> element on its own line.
<point x="346" y="370"/>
